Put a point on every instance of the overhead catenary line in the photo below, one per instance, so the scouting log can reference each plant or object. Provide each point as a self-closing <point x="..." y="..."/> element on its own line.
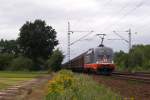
<point x="106" y="4"/>
<point x="121" y="36"/>
<point x="107" y="20"/>
<point x="82" y="37"/>
<point x="118" y="12"/>
<point x="69" y="44"/>
<point x="128" y="13"/>
<point x="129" y="41"/>
<point x="125" y="15"/>
<point x="121" y="18"/>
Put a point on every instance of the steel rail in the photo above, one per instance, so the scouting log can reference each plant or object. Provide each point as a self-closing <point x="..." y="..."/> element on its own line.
<point x="137" y="76"/>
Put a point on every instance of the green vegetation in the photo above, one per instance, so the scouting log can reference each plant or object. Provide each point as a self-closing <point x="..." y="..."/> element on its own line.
<point x="54" y="62"/>
<point x="66" y="85"/>
<point x="8" y="78"/>
<point x="5" y="59"/>
<point x="21" y="63"/>
<point x="20" y="74"/>
<point x="37" y="40"/>
<point x="9" y="46"/>
<point x="32" y="50"/>
<point x="138" y="59"/>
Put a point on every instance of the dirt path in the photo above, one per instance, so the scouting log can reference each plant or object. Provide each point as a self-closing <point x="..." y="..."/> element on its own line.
<point x="37" y="92"/>
<point x="127" y="89"/>
<point x="30" y="90"/>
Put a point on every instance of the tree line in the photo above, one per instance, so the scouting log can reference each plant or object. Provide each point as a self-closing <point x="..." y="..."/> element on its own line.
<point x="138" y="59"/>
<point x="32" y="50"/>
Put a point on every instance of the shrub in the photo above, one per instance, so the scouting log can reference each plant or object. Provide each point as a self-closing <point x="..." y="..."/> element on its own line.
<point x="64" y="79"/>
<point x="39" y="64"/>
<point x="136" y="60"/>
<point x="67" y="86"/>
<point x="21" y="63"/>
<point x="5" y="59"/>
<point x="54" y="62"/>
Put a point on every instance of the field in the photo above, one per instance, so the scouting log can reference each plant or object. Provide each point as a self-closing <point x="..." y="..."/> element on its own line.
<point x="15" y="78"/>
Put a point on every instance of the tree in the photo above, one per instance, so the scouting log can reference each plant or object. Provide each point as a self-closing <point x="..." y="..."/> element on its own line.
<point x="5" y="59"/>
<point x="137" y="59"/>
<point x="54" y="62"/>
<point x="21" y="63"/>
<point x="9" y="46"/>
<point x="121" y="59"/>
<point x="37" y="40"/>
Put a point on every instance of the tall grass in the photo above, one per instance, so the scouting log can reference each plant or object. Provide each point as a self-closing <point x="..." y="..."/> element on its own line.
<point x="69" y="86"/>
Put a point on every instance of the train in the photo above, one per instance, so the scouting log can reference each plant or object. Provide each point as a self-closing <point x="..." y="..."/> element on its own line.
<point x="98" y="60"/>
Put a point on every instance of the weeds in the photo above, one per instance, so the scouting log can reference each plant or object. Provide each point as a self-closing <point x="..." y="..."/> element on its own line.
<point x="69" y="86"/>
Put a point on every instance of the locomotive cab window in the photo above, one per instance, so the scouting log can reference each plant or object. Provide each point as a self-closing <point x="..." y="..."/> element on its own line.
<point x="100" y="56"/>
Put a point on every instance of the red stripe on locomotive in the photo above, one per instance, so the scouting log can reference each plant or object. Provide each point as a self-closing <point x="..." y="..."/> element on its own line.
<point x="99" y="66"/>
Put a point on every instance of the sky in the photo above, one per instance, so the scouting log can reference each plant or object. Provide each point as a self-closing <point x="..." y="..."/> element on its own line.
<point x="99" y="16"/>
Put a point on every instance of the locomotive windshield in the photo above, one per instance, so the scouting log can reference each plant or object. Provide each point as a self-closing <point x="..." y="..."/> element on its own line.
<point x="103" y="55"/>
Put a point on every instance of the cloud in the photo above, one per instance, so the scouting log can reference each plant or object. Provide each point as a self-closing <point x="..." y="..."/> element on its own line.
<point x="102" y="16"/>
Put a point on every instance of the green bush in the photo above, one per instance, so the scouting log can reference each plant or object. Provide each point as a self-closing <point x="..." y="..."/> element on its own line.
<point x="21" y="63"/>
<point x="5" y="59"/>
<point x="138" y="59"/>
<point x="39" y="64"/>
<point x="66" y="85"/>
<point x="54" y="62"/>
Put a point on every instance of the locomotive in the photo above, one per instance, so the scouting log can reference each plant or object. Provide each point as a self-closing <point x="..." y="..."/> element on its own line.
<point x="99" y="60"/>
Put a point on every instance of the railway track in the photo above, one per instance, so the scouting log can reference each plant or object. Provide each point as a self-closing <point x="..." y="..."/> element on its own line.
<point x="137" y="76"/>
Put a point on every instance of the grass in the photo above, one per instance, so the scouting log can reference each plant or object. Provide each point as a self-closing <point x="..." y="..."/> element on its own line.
<point x="133" y="69"/>
<point x="69" y="86"/>
<point x="19" y="74"/>
<point x="8" y="78"/>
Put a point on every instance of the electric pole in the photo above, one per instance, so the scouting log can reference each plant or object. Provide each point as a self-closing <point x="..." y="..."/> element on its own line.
<point x="129" y="40"/>
<point x="69" y="44"/>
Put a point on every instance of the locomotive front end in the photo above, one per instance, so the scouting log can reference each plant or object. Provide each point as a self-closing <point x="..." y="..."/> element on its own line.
<point x="100" y="60"/>
<point x="104" y="60"/>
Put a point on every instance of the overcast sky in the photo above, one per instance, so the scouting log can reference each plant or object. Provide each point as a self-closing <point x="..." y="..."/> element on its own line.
<point x="101" y="16"/>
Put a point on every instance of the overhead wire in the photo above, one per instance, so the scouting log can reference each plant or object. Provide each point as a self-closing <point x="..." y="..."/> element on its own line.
<point x="106" y="4"/>
<point x="128" y="13"/>
<point x="81" y="38"/>
<point x="118" y="12"/>
<point x="124" y="15"/>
